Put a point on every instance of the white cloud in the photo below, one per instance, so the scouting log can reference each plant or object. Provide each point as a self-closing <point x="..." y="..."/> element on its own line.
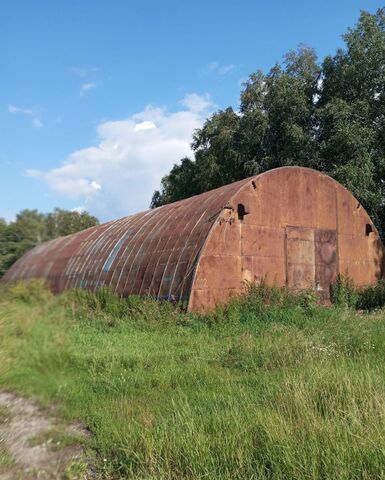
<point x="212" y="66"/>
<point x="216" y="67"/>
<point x="83" y="72"/>
<point x="197" y="103"/>
<point x="317" y="96"/>
<point x="146" y="125"/>
<point x="80" y="72"/>
<point x="16" y="109"/>
<point x="85" y="87"/>
<point x="95" y="185"/>
<point x="79" y="209"/>
<point x="118" y="176"/>
<point x="36" y="122"/>
<point x="226" y="69"/>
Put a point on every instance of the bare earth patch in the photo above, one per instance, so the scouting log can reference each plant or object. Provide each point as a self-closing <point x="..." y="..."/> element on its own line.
<point x="30" y="437"/>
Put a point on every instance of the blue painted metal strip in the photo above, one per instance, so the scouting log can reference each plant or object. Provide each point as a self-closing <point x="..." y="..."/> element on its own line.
<point x="111" y="257"/>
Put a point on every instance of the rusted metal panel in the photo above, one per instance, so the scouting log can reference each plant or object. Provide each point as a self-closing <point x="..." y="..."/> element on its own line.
<point x="326" y="261"/>
<point x="302" y="228"/>
<point x="300" y="261"/>
<point x="299" y="227"/>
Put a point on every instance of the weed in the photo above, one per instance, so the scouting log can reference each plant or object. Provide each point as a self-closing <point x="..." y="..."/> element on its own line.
<point x="372" y="297"/>
<point x="343" y="292"/>
<point x="56" y="439"/>
<point x="31" y="291"/>
<point x="76" y="470"/>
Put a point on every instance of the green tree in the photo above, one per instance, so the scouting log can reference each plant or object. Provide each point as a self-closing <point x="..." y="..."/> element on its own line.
<point x="179" y="183"/>
<point x="21" y="235"/>
<point x="30" y="228"/>
<point x="328" y="116"/>
<point x="275" y="126"/>
<point x="351" y="112"/>
<point x="63" y="222"/>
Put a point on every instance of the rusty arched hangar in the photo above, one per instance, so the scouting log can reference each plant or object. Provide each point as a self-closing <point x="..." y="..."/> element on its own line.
<point x="291" y="225"/>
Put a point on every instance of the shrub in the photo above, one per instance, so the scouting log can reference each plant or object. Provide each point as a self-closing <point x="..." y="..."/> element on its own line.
<point x="373" y="297"/>
<point x="105" y="304"/>
<point x="265" y="294"/>
<point x="28" y="291"/>
<point x="102" y="300"/>
<point x="343" y="292"/>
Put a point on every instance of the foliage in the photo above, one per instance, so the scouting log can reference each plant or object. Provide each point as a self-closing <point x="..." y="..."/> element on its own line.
<point x="30" y="228"/>
<point x="269" y="387"/>
<point x="329" y="116"/>
<point x="343" y="292"/>
<point x="27" y="291"/>
<point x="76" y="470"/>
<point x="63" y="222"/>
<point x="372" y="297"/>
<point x="56" y="438"/>
<point x="261" y="292"/>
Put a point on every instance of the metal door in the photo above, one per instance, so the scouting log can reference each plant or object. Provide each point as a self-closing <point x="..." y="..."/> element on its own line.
<point x="326" y="261"/>
<point x="300" y="260"/>
<point x="311" y="259"/>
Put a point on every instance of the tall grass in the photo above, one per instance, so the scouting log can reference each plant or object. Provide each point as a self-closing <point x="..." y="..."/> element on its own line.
<point x="345" y="293"/>
<point x="272" y="386"/>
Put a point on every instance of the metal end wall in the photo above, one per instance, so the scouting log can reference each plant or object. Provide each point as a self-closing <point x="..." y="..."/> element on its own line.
<point x="298" y="228"/>
<point x="290" y="226"/>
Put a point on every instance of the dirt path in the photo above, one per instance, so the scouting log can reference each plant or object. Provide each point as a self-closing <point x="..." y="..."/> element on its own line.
<point x="39" y="446"/>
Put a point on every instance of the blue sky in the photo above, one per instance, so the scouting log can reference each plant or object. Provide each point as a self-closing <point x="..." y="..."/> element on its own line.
<point x="99" y="98"/>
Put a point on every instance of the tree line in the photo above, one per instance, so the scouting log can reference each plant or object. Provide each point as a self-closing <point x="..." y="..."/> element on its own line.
<point x="327" y="115"/>
<point x="30" y="228"/>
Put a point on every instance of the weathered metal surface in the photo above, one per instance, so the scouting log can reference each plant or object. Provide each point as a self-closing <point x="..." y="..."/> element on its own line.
<point x="150" y="253"/>
<point x="300" y="257"/>
<point x="291" y="226"/>
<point x="302" y="229"/>
<point x="326" y="261"/>
<point x="311" y="259"/>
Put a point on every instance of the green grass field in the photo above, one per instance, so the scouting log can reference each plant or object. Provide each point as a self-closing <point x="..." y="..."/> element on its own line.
<point x="283" y="390"/>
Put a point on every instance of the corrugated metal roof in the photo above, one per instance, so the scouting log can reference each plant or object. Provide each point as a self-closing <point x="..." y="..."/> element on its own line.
<point x="150" y="253"/>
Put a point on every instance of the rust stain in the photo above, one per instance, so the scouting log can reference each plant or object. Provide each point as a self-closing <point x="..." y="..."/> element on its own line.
<point x="326" y="261"/>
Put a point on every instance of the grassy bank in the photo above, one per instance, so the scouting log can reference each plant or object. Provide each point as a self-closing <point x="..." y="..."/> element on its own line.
<point x="287" y="390"/>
